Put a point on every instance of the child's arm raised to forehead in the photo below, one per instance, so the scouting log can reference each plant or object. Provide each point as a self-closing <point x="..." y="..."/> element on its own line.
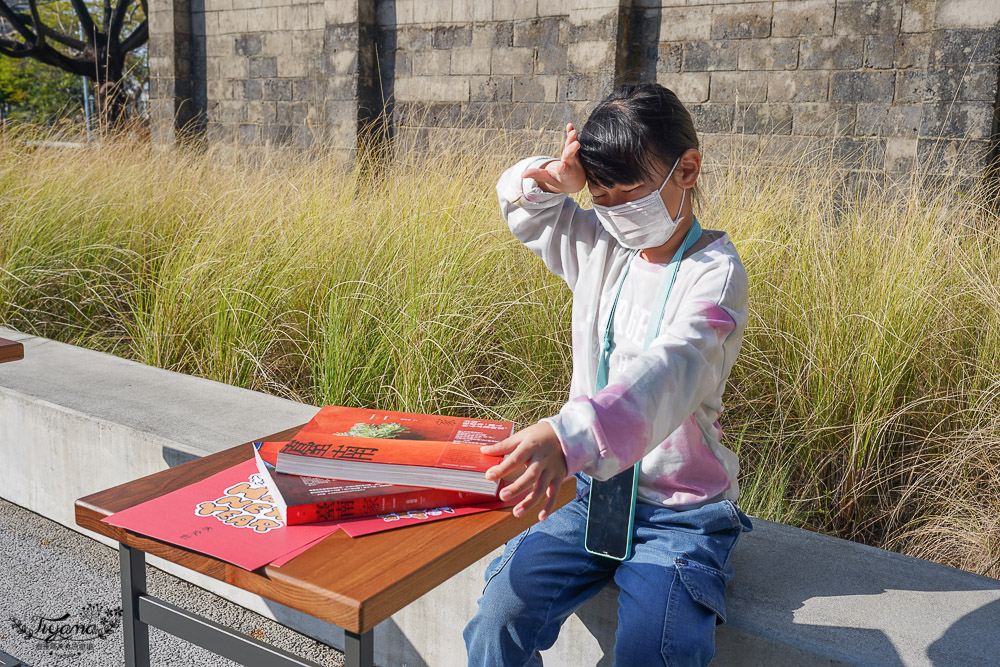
<point x="550" y="224"/>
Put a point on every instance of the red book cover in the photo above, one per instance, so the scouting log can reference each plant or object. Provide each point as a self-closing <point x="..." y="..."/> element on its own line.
<point x="339" y="437"/>
<point x="304" y="499"/>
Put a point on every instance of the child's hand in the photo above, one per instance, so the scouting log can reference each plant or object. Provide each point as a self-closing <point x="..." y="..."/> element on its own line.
<point x="537" y="447"/>
<point x="565" y="174"/>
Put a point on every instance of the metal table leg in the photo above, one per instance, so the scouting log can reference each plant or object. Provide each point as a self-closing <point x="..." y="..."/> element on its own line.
<point x="133" y="571"/>
<point x="140" y="610"/>
<point x="359" y="650"/>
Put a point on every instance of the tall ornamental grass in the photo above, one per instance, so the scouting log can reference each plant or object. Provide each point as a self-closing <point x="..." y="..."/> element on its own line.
<point x="864" y="402"/>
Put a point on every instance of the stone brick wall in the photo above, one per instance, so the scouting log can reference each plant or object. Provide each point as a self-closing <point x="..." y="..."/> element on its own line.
<point x="913" y="82"/>
<point x="906" y="80"/>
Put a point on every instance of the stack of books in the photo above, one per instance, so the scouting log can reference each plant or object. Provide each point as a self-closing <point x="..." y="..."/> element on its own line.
<point x="354" y="462"/>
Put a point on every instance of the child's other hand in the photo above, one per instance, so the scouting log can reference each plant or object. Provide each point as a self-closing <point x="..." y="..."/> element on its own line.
<point x="565" y="174"/>
<point x="537" y="447"/>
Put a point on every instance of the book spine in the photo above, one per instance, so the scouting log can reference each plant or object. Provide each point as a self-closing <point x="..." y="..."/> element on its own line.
<point x="373" y="505"/>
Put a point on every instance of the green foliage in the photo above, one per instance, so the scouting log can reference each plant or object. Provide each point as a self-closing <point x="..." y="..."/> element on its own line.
<point x="38" y="93"/>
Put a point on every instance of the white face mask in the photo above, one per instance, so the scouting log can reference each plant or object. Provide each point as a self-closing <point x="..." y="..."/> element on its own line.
<point x="643" y="223"/>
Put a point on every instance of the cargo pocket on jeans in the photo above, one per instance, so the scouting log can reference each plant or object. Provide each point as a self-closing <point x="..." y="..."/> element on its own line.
<point x="706" y="585"/>
<point x="696" y="604"/>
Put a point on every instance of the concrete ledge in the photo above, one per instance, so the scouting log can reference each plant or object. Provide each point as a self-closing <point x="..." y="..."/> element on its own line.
<point x="73" y="421"/>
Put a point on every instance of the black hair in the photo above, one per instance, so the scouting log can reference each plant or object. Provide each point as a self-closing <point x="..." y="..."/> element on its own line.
<point x="630" y="131"/>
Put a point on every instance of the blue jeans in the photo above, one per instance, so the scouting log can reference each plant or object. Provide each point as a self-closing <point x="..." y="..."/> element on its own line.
<point x="672" y="589"/>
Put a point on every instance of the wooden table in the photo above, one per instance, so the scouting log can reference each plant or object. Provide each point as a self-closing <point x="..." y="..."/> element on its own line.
<point x="354" y="583"/>
<point x="10" y="350"/>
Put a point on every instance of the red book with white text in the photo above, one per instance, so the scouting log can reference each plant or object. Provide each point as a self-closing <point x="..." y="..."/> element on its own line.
<point x="303" y="499"/>
<point x="406" y="448"/>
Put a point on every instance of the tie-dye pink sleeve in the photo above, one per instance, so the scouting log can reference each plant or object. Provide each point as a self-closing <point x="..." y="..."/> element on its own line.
<point x="551" y="225"/>
<point x="606" y="433"/>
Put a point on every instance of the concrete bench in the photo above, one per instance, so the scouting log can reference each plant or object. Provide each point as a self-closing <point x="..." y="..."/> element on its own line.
<point x="74" y="421"/>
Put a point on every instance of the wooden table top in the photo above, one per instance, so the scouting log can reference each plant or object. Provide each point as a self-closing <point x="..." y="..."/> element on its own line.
<point x="10" y="350"/>
<point x="351" y="582"/>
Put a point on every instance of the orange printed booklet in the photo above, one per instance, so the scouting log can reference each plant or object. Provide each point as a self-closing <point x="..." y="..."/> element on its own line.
<point x="387" y="447"/>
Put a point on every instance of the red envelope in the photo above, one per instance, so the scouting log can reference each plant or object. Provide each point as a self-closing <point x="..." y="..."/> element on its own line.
<point x="229" y="516"/>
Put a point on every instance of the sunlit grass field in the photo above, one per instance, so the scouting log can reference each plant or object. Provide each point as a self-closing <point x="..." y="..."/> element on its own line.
<point x="864" y="403"/>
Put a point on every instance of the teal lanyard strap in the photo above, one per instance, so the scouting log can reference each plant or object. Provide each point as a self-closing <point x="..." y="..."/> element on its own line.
<point x="659" y="306"/>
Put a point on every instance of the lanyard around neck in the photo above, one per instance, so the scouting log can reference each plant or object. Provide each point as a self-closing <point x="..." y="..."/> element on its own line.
<point x="656" y="315"/>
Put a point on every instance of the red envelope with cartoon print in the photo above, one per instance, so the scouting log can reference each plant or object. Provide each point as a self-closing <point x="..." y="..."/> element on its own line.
<point x="229" y="516"/>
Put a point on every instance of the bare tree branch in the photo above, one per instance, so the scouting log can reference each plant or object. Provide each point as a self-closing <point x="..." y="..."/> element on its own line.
<point x="63" y="39"/>
<point x="19" y="21"/>
<point x="117" y="18"/>
<point x="86" y="22"/>
<point x="14" y="49"/>
<point x="137" y="38"/>
<point x="36" y="22"/>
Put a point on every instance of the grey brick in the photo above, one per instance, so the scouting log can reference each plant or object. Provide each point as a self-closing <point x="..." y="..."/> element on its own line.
<point x="918" y="16"/>
<point x="952" y="155"/>
<point x="711" y="56"/>
<point x="247" y="45"/>
<point x="901" y="155"/>
<point x="823" y="119"/>
<point x="690" y="87"/>
<point x="414" y="38"/>
<point x="551" y="60"/>
<point x="741" y="22"/>
<point x="263" y="67"/>
<point x="598" y="30"/>
<point x="831" y="52"/>
<point x="868" y="151"/>
<point x="962" y="47"/>
<point x="808" y="17"/>
<point x="969" y="120"/>
<point x="512" y="61"/>
<point x="769" y="54"/>
<point x="430" y="62"/>
<point x="885" y="120"/>
<point x="252" y="89"/>
<point x="911" y="86"/>
<point x="291" y="113"/>
<point x="586" y="87"/>
<point x="712" y="117"/>
<point x="537" y="32"/>
<point x="449" y="37"/>
<point x="534" y="89"/>
<point x="862" y="86"/>
<point x="738" y="86"/>
<point x="802" y="86"/>
<point x="764" y="119"/>
<point x="277" y="89"/>
<point x="247" y="133"/>
<point x="306" y="90"/>
<point x="867" y="17"/>
<point x="338" y="37"/>
<point x="669" y="57"/>
<point x="261" y="112"/>
<point x="912" y="51"/>
<point x="972" y="83"/>
<point x="491" y="88"/>
<point x="879" y="51"/>
<point x="495" y="34"/>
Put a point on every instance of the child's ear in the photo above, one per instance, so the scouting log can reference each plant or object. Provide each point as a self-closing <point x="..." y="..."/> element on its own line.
<point x="689" y="167"/>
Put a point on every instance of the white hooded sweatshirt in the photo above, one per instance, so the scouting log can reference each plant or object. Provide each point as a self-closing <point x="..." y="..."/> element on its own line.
<point x="661" y="406"/>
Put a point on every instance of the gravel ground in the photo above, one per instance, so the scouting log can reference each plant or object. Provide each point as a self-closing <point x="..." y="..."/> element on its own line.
<point x="50" y="570"/>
